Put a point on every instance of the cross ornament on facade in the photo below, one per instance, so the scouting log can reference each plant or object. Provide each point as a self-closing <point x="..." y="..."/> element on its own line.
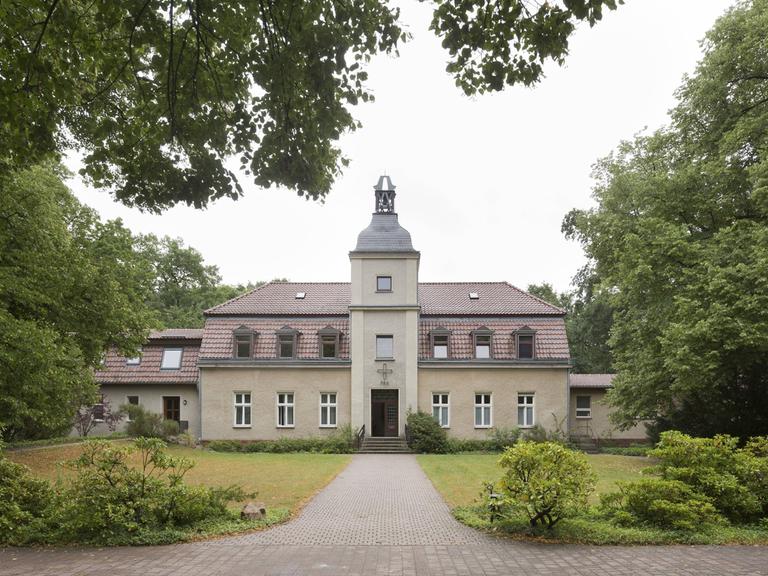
<point x="384" y="371"/>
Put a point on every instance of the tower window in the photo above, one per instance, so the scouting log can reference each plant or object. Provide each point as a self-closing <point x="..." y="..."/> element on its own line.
<point x="383" y="283"/>
<point x="384" y="347"/>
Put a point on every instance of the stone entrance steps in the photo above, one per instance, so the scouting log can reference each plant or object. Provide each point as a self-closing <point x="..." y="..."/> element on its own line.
<point x="384" y="445"/>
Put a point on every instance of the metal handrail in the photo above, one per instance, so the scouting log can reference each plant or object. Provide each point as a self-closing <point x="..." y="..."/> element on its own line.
<point x="359" y="437"/>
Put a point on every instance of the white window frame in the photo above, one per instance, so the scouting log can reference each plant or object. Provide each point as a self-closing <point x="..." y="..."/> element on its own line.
<point x="285" y="405"/>
<point x="181" y="358"/>
<point x="383" y="337"/>
<point x="524" y="404"/>
<point x="128" y="402"/>
<point x="135" y="360"/>
<point x="489" y="405"/>
<point x="588" y="411"/>
<point x="442" y="407"/>
<point x="328" y="405"/>
<point x="242" y="404"/>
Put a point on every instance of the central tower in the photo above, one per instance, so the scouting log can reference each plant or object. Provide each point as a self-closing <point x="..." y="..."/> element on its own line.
<point x="384" y="320"/>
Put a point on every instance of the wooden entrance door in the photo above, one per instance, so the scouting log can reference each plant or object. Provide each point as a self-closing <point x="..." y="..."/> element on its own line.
<point x="172" y="408"/>
<point x="384" y="412"/>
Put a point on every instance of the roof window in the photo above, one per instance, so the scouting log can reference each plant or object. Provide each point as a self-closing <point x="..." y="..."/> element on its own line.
<point x="474" y="296"/>
<point x="301" y="295"/>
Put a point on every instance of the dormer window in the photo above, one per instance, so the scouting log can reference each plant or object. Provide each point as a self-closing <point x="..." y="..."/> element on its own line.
<point x="134" y="361"/>
<point x="440" y="338"/>
<point x="171" y="358"/>
<point x="524" y="342"/>
<point x="329" y="342"/>
<point x="243" y="342"/>
<point x="482" y="338"/>
<point x="383" y="283"/>
<point x="286" y="342"/>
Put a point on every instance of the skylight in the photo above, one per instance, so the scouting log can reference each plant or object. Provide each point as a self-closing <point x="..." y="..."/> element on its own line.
<point x="300" y="295"/>
<point x="474" y="296"/>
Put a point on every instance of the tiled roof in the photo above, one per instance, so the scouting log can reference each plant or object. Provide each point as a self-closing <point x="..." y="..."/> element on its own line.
<point x="218" y="342"/>
<point x="177" y="334"/>
<point x="550" y="339"/>
<point x="435" y="298"/>
<point x="592" y="380"/>
<point x="148" y="371"/>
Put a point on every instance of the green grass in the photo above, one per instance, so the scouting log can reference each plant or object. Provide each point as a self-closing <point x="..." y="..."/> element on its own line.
<point x="459" y="478"/>
<point x="281" y="481"/>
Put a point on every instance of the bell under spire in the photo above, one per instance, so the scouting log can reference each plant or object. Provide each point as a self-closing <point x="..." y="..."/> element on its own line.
<point x="385" y="195"/>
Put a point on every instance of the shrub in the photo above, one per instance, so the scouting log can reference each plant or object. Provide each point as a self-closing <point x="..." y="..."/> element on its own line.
<point x="456" y="445"/>
<point x="24" y="504"/>
<point x="735" y="480"/>
<point x="341" y="441"/>
<point x="545" y="480"/>
<point x="145" y="424"/>
<point x="634" y="450"/>
<point x="111" y="501"/>
<point x="501" y="438"/>
<point x="657" y="502"/>
<point x="426" y="435"/>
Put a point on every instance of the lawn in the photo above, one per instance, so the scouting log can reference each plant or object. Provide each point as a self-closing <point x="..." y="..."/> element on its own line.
<point x="282" y="481"/>
<point x="460" y="477"/>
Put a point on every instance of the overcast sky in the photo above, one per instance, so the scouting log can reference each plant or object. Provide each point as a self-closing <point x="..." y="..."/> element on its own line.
<point x="482" y="183"/>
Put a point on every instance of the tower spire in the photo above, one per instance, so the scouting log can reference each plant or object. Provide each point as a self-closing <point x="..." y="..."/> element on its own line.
<point x="385" y="195"/>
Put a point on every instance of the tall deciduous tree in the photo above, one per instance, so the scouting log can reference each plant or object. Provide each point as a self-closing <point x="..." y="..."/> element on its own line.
<point x="159" y="93"/>
<point x="70" y="286"/>
<point x="680" y="241"/>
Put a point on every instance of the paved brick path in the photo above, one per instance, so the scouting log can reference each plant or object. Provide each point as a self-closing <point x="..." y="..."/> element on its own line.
<point x="382" y="516"/>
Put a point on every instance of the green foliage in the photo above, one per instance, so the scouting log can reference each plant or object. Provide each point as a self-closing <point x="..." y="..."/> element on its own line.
<point x="159" y="95"/>
<point x="494" y="44"/>
<point x="679" y="243"/>
<point x="668" y="504"/>
<point x="733" y="479"/>
<point x="426" y="435"/>
<point x="458" y="445"/>
<point x="145" y="424"/>
<point x="110" y="501"/>
<point x="25" y="504"/>
<point x="70" y="286"/>
<point x="341" y="441"/>
<point x="546" y="481"/>
<point x="502" y="437"/>
<point x="634" y="450"/>
<point x="57" y="440"/>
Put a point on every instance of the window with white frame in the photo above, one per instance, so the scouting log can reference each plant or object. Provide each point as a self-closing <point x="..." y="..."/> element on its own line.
<point x="171" y="359"/>
<point x="440" y="346"/>
<point x="525" y="410"/>
<point x="328" y="409"/>
<point x="440" y="409"/>
<point x="135" y="360"/>
<point x="285" y="409"/>
<point x="583" y="406"/>
<point x="242" y="409"/>
<point x="482" y="410"/>
<point x="385" y="347"/>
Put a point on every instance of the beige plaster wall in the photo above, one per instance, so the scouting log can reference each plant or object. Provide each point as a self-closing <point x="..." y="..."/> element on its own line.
<point x="599" y="425"/>
<point x="219" y="385"/>
<point x="151" y="397"/>
<point x="548" y="385"/>
<point x="404" y="270"/>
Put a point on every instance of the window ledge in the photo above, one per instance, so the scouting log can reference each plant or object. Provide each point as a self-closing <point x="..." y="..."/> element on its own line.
<point x="283" y="427"/>
<point x="528" y="427"/>
<point x="328" y="426"/>
<point x="583" y="417"/>
<point x="384" y="359"/>
<point x="240" y="426"/>
<point x="484" y="427"/>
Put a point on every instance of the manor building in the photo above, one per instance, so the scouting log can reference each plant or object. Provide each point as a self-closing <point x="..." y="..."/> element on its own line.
<point x="303" y="359"/>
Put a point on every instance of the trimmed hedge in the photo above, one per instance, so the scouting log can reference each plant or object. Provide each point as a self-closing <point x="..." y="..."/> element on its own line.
<point x="340" y="442"/>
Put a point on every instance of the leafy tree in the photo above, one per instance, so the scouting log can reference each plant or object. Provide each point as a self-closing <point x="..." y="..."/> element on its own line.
<point x="70" y="286"/>
<point x="159" y="93"/>
<point x="679" y="241"/>
<point x="588" y="321"/>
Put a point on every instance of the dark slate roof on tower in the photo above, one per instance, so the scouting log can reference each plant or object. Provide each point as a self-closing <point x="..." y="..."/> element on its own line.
<point x="435" y="298"/>
<point x="384" y="233"/>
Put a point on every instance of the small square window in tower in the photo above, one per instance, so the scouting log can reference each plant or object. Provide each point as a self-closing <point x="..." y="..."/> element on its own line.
<point x="383" y="283"/>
